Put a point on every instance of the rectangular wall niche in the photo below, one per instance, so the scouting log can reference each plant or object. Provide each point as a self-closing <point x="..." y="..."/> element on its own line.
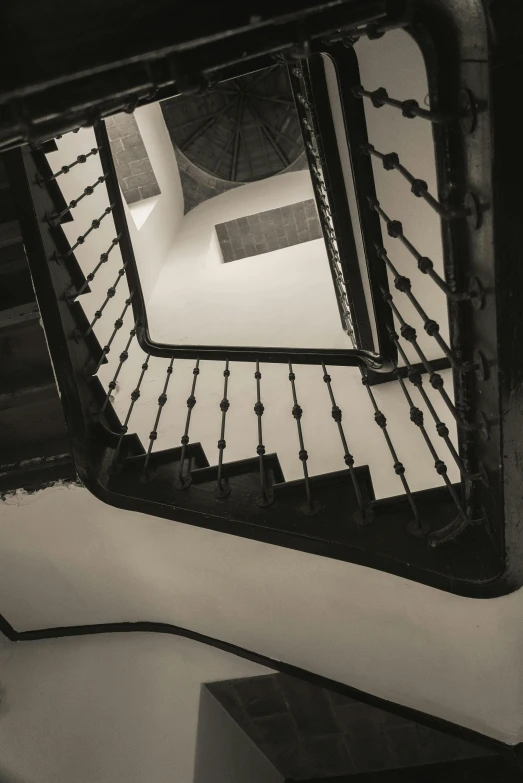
<point x="271" y="230"/>
<point x="133" y="167"/>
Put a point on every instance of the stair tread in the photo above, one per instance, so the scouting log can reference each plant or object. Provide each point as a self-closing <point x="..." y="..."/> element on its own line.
<point x="23" y="347"/>
<point x="10" y="233"/>
<point x="27" y="396"/>
<point x="240" y="467"/>
<point x="49" y="146"/>
<point x="7" y="207"/>
<point x="333" y="531"/>
<point x="82" y="324"/>
<point x="34" y="430"/>
<point x="334" y="477"/>
<point x="165" y="457"/>
<point x="37" y="473"/>
<point x="110" y="417"/>
<point x="53" y="187"/>
<point x="423" y="496"/>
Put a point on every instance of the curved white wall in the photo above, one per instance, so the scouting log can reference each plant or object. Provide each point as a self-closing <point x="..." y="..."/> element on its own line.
<point x="68" y="559"/>
<point x="110" y="709"/>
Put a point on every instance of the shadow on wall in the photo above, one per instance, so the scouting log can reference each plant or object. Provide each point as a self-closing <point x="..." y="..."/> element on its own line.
<point x="224" y="753"/>
<point x="309" y="732"/>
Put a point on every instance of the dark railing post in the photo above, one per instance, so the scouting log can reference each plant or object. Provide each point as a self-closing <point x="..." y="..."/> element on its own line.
<point x="364" y="515"/>
<point x="116" y="466"/>
<point x="310" y="507"/>
<point x="223" y="488"/>
<point x="416" y="527"/>
<point x="148" y="475"/>
<point x="181" y="481"/>
<point x="266" y="496"/>
<point x="113" y="383"/>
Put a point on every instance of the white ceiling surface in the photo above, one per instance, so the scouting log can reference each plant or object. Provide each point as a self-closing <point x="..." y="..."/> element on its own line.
<point x="67" y="559"/>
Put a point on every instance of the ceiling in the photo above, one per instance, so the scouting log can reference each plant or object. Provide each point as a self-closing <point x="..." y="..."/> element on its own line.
<point x="241" y="130"/>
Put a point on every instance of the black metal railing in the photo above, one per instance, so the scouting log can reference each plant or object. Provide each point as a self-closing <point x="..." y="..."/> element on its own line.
<point x="337" y="513"/>
<point x="377" y="361"/>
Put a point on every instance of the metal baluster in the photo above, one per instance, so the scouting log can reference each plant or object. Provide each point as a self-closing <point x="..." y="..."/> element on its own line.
<point x="223" y="489"/>
<point x="415" y="378"/>
<point x="135" y="396"/>
<point x="425" y="265"/>
<point x="123" y="358"/>
<point x="266" y="496"/>
<point x="419" y="187"/>
<point x="365" y="514"/>
<point x="111" y="291"/>
<point x="182" y="482"/>
<point x="416" y="417"/>
<point x="90" y="277"/>
<point x="117" y="325"/>
<point x="403" y="284"/>
<point x="409" y="108"/>
<point x="81" y="239"/>
<point x="324" y="209"/>
<point x="309" y="507"/>
<point x="416" y="526"/>
<point x="148" y="475"/>
<point x="67" y="169"/>
<point x="436" y="381"/>
<point x="55" y="218"/>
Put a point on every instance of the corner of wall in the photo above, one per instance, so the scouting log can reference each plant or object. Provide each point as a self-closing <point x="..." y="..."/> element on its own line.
<point x="155" y="238"/>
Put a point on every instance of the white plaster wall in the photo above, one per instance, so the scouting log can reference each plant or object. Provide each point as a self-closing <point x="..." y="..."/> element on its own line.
<point x="110" y="709"/>
<point x="66" y="558"/>
<point x="282" y="298"/>
<point x="154" y="240"/>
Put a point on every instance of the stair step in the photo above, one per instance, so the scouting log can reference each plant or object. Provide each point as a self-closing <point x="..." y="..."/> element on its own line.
<point x="33" y="426"/>
<point x="292" y="488"/>
<point x="53" y="187"/>
<point x="10" y="233"/>
<point x="4" y="182"/>
<point x="49" y="146"/>
<point x="35" y="474"/>
<point x="110" y="418"/>
<point x="82" y="324"/>
<point x="160" y="460"/>
<point x="26" y="396"/>
<point x="16" y="286"/>
<point x="7" y="207"/>
<point x="241" y="467"/>
<point x="23" y="348"/>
